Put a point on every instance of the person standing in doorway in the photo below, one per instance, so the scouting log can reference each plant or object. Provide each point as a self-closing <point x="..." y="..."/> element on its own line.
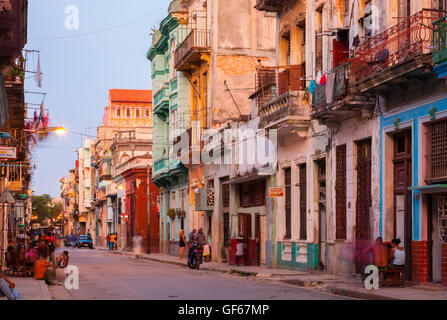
<point x="182" y="243"/>
<point x="239" y="251"/>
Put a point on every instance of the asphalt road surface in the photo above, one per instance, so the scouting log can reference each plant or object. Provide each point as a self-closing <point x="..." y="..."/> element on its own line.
<point x="106" y="276"/>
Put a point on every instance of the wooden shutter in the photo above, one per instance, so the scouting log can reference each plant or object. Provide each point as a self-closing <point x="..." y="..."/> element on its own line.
<point x="288" y="213"/>
<point x="283" y="83"/>
<point x="340" y="193"/>
<point x="226" y="195"/>
<point x="303" y="202"/>
<point x="226" y="226"/>
<point x="296" y="73"/>
<point x="437" y="151"/>
<point x="252" y="194"/>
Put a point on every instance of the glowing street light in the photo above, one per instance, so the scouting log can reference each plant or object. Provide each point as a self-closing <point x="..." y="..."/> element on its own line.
<point x="60" y="130"/>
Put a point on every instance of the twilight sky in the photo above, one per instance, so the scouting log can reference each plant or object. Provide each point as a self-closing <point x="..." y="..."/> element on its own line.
<point x="79" y="66"/>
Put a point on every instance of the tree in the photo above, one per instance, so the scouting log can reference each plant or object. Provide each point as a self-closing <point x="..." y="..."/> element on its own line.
<point x="45" y="209"/>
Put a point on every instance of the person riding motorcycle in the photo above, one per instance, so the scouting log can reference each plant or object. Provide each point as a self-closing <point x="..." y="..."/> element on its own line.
<point x="200" y="239"/>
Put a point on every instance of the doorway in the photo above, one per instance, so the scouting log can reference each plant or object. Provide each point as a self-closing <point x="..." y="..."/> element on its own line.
<point x="245" y="233"/>
<point x="402" y="223"/>
<point x="321" y="185"/>
<point x="437" y="236"/>
<point x="363" y="202"/>
<point x="258" y="239"/>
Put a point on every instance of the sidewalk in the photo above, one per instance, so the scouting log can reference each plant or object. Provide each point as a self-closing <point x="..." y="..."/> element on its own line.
<point x="349" y="286"/>
<point x="31" y="289"/>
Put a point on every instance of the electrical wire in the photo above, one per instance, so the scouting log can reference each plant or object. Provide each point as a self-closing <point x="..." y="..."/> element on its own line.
<point x="98" y="31"/>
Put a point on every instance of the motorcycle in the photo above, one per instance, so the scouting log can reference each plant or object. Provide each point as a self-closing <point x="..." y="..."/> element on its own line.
<point x="195" y="255"/>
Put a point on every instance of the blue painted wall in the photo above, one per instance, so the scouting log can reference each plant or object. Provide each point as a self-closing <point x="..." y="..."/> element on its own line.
<point x="412" y="115"/>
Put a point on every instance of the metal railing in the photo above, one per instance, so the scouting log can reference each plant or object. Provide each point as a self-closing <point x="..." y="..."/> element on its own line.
<point x="340" y="86"/>
<point x="282" y="108"/>
<point x="440" y="41"/>
<point x="409" y="38"/>
<point x="196" y="39"/>
<point x="270" y="83"/>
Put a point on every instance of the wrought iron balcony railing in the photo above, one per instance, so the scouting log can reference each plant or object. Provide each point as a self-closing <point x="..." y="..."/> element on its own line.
<point x="190" y="50"/>
<point x="409" y="38"/>
<point x="285" y="110"/>
<point x="275" y="81"/>
<point x="440" y="41"/>
<point x="340" y="87"/>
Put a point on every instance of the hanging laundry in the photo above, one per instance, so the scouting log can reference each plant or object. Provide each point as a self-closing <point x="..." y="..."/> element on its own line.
<point x="38" y="73"/>
<point x="312" y="87"/>
<point x="46" y="120"/>
<point x="318" y="78"/>
<point x="323" y="80"/>
<point x="330" y="87"/>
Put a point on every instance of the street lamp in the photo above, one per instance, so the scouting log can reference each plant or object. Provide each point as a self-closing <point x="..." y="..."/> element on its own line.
<point x="59" y="130"/>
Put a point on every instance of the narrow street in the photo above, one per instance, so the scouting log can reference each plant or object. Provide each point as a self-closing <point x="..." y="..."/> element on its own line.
<point x="103" y="275"/>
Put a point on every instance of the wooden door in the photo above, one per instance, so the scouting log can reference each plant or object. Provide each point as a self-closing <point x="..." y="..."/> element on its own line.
<point x="258" y="239"/>
<point x="363" y="202"/>
<point x="288" y="204"/>
<point x="402" y="228"/>
<point x="245" y="232"/>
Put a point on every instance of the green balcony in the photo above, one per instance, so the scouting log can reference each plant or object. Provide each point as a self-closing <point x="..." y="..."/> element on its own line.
<point x="161" y="166"/>
<point x="161" y="101"/>
<point x="440" y="41"/>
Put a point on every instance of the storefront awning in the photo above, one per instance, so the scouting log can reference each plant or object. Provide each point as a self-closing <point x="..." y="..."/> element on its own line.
<point x="430" y="189"/>
<point x="245" y="178"/>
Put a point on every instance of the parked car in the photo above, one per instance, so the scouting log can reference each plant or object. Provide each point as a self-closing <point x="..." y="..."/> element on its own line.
<point x="85" y="241"/>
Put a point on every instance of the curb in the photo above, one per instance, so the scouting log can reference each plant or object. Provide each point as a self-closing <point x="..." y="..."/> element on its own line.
<point x="297" y="282"/>
<point x="359" y="295"/>
<point x="44" y="290"/>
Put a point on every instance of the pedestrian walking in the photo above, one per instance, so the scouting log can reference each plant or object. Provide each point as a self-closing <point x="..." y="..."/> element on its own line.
<point x="108" y="240"/>
<point x="112" y="241"/>
<point x="182" y="243"/>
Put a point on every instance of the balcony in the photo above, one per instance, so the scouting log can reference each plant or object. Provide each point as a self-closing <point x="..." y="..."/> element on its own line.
<point x="161" y="166"/>
<point x="161" y="101"/>
<point x="104" y="181"/>
<point x="286" y="113"/>
<point x="87" y="203"/>
<point x="13" y="29"/>
<point x="190" y="51"/>
<point x="270" y="5"/>
<point x="281" y="100"/>
<point x="343" y="103"/>
<point x="393" y="56"/>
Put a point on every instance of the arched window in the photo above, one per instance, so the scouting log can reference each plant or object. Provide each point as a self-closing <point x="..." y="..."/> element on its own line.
<point x="128" y="112"/>
<point x="137" y="113"/>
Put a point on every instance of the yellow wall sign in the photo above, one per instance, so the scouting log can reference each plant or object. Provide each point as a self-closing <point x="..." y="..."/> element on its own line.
<point x="276" y="192"/>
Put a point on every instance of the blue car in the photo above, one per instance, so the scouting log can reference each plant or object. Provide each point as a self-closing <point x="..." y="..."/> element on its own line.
<point x="85" y="241"/>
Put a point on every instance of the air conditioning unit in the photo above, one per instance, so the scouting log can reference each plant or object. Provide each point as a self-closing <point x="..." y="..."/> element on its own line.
<point x="204" y="199"/>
